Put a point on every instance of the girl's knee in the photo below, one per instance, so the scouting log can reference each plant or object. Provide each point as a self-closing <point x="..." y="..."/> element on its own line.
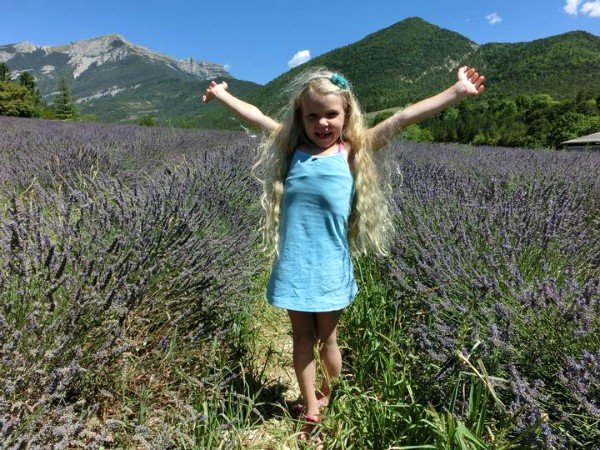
<point x="328" y="341"/>
<point x="304" y="343"/>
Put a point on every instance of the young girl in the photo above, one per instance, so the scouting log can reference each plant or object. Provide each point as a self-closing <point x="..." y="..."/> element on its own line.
<point x="323" y="199"/>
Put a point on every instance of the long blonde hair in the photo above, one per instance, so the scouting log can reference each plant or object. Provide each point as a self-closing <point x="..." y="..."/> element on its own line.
<point x="370" y="226"/>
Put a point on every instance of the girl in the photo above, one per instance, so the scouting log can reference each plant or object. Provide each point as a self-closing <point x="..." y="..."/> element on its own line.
<point x="323" y="199"/>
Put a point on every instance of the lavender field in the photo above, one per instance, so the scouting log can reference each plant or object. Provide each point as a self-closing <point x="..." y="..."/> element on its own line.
<point x="131" y="270"/>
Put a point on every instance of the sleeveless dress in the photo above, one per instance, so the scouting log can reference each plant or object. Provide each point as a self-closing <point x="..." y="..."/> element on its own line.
<point x="313" y="272"/>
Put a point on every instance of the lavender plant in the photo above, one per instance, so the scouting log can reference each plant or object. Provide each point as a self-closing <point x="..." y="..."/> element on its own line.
<point x="97" y="270"/>
<point x="52" y="152"/>
<point x="491" y="254"/>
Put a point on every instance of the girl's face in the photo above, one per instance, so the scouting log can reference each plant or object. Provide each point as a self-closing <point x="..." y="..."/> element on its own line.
<point x="323" y="117"/>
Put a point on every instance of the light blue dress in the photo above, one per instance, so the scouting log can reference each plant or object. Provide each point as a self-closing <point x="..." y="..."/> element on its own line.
<point x="313" y="272"/>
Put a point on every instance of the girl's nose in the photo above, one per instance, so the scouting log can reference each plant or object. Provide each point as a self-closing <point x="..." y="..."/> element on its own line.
<point x="323" y="121"/>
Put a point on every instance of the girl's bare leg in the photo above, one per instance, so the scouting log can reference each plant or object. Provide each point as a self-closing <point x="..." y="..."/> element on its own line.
<point x="304" y="337"/>
<point x="331" y="358"/>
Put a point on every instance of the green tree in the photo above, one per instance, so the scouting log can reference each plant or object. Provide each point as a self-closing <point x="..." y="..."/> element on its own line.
<point x="572" y="125"/>
<point x="17" y="100"/>
<point x="63" y="105"/>
<point x="417" y="134"/>
<point x="147" y="120"/>
<point x="27" y="81"/>
<point x="4" y="73"/>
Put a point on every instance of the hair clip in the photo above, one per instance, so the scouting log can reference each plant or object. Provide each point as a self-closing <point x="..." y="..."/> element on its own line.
<point x="339" y="81"/>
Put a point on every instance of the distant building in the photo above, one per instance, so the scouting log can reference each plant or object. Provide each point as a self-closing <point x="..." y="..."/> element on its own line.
<point x="589" y="142"/>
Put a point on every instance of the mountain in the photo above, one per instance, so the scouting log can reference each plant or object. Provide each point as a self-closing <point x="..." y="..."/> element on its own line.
<point x="559" y="65"/>
<point x="392" y="66"/>
<point x="115" y="79"/>
<point x="413" y="59"/>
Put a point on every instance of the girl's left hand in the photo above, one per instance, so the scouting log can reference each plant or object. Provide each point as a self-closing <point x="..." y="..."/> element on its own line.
<point x="469" y="81"/>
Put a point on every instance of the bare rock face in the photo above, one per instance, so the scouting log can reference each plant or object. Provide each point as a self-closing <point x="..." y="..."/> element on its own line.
<point x="106" y="67"/>
<point x="98" y="51"/>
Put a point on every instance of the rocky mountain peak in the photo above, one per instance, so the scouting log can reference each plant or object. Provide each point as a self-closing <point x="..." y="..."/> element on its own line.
<point x="25" y="47"/>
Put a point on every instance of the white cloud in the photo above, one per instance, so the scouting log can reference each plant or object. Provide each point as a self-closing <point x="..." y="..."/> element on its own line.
<point x="571" y="7"/>
<point x="493" y="18"/>
<point x="591" y="8"/>
<point x="299" y="58"/>
<point x="227" y="67"/>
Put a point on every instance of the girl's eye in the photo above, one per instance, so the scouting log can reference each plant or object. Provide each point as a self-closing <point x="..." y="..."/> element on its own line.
<point x="332" y="115"/>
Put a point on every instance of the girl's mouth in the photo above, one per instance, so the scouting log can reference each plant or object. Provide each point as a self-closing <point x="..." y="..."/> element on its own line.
<point x="323" y="134"/>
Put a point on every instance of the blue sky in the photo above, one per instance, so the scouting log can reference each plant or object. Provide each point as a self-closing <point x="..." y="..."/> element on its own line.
<point x="257" y="39"/>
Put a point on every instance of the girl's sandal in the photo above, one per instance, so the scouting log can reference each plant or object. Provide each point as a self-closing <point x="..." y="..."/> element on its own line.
<point x="310" y="431"/>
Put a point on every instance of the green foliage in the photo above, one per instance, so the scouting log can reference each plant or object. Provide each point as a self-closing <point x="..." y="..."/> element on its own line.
<point x="4" y="73"/>
<point x="46" y="112"/>
<point x="533" y="121"/>
<point x="572" y="125"/>
<point x="63" y="106"/>
<point x="380" y="117"/>
<point x="544" y="66"/>
<point x="27" y="81"/>
<point x="417" y="134"/>
<point x="17" y="100"/>
<point x="147" y="120"/>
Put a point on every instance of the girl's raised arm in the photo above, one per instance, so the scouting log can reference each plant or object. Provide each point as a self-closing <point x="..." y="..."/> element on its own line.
<point x="469" y="83"/>
<point x="250" y="114"/>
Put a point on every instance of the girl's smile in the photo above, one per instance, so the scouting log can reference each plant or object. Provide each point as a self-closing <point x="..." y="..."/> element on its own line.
<point x="323" y="117"/>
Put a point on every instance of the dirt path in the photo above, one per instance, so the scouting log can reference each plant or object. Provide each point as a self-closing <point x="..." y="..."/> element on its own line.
<point x="273" y="350"/>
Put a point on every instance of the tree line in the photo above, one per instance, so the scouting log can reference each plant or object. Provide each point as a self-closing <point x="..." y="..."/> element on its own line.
<point x="21" y="97"/>
<point x="527" y="120"/>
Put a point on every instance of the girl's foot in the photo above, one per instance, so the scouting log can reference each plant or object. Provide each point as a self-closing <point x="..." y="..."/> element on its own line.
<point x="323" y="400"/>
<point x="298" y="408"/>
<point x="310" y="429"/>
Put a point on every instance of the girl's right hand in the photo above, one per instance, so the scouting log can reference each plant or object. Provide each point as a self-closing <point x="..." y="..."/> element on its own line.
<point x="213" y="90"/>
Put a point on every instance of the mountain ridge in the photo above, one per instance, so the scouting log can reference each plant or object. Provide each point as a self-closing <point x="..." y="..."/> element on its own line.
<point x="413" y="59"/>
<point x="82" y="54"/>
<point x="114" y="79"/>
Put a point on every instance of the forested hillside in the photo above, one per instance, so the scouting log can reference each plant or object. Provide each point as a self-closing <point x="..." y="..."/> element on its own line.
<point x="531" y="99"/>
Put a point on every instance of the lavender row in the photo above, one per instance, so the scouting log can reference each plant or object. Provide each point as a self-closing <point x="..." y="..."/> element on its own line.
<point x="91" y="264"/>
<point x="501" y="247"/>
<point x="52" y="152"/>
